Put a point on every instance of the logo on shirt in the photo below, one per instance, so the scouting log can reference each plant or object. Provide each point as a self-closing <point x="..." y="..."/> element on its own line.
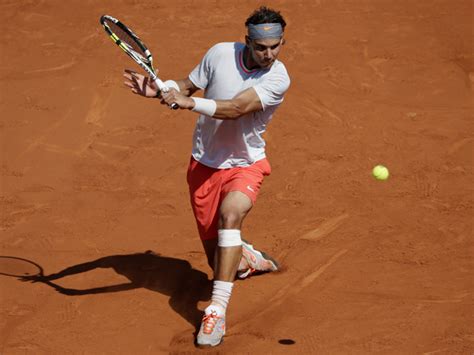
<point x="250" y="188"/>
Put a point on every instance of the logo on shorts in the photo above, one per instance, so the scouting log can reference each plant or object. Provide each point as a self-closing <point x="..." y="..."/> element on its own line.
<point x="250" y="188"/>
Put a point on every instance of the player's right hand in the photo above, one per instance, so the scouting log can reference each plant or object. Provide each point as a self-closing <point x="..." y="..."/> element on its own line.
<point x="175" y="97"/>
<point x="140" y="84"/>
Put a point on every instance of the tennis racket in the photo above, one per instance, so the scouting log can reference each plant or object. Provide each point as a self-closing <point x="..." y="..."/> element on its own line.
<point x="134" y="47"/>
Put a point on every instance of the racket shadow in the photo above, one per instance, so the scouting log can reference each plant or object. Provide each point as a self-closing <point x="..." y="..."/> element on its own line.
<point x="173" y="277"/>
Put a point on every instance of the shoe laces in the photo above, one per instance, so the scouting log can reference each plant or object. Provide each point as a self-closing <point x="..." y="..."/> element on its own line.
<point x="209" y="322"/>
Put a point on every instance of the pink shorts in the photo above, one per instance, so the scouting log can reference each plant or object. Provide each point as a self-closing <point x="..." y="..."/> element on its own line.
<point x="209" y="186"/>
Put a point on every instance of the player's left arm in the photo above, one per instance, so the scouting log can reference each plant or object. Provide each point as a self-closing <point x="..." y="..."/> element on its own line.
<point x="245" y="102"/>
<point x="186" y="87"/>
<point x="268" y="92"/>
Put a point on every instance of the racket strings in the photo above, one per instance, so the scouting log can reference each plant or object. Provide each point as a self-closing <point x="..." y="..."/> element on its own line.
<point x="127" y="40"/>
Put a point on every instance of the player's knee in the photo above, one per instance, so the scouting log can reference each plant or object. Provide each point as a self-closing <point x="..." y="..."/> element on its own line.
<point x="231" y="220"/>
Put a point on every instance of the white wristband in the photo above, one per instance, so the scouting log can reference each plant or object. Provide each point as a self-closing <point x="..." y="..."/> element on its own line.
<point x="205" y="106"/>
<point x="171" y="84"/>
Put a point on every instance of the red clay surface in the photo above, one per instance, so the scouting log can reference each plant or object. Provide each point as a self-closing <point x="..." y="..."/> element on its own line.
<point x="92" y="174"/>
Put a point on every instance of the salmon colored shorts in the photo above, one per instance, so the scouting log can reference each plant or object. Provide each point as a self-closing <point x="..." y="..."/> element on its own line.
<point x="209" y="186"/>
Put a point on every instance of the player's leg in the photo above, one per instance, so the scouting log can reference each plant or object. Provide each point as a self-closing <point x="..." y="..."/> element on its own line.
<point x="232" y="211"/>
<point x="210" y="246"/>
<point x="252" y="261"/>
<point x="204" y="192"/>
<point x="248" y="180"/>
<point x="239" y="189"/>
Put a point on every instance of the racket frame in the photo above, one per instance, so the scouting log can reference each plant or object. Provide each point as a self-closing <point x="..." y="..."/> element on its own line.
<point x="23" y="260"/>
<point x="149" y="69"/>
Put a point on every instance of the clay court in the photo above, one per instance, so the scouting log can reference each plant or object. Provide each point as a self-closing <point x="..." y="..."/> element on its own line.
<point x="93" y="182"/>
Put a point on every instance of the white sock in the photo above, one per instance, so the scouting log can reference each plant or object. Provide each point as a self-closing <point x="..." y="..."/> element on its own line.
<point x="221" y="292"/>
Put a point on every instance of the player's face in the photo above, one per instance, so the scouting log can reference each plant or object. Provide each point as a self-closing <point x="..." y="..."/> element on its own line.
<point x="264" y="52"/>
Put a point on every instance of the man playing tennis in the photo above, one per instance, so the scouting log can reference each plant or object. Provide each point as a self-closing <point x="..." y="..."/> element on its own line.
<point x="243" y="86"/>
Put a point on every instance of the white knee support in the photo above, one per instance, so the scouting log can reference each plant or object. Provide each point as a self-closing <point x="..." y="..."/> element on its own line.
<point x="229" y="238"/>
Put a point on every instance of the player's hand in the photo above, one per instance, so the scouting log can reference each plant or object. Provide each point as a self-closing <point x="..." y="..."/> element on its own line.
<point x="173" y="96"/>
<point x="140" y="84"/>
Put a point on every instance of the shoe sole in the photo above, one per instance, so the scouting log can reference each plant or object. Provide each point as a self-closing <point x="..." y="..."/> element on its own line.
<point x="207" y="346"/>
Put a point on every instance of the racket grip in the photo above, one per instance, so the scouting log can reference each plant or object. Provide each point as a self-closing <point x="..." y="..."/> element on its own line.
<point x="164" y="88"/>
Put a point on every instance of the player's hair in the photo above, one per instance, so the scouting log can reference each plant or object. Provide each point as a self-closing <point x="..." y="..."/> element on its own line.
<point x="265" y="15"/>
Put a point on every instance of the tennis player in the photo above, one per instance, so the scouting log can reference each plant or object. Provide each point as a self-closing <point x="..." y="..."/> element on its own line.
<point x="243" y="86"/>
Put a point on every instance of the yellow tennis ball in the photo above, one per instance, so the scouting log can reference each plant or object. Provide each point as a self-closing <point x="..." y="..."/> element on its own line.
<point x="380" y="172"/>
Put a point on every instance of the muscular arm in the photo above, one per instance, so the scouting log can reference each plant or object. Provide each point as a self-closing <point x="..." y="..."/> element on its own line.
<point x="245" y="102"/>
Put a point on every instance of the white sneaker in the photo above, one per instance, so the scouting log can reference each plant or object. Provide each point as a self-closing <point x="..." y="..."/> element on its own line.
<point x="212" y="327"/>
<point x="256" y="262"/>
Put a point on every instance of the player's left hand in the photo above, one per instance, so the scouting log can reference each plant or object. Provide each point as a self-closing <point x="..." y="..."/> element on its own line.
<point x="173" y="96"/>
<point x="140" y="84"/>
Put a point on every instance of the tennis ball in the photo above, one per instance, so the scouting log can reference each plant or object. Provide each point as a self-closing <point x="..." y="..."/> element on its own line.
<point x="380" y="172"/>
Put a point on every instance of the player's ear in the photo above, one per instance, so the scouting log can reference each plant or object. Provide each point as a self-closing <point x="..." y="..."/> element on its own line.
<point x="283" y="41"/>
<point x="247" y="41"/>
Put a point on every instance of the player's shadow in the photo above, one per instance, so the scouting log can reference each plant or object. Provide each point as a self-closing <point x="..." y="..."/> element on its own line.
<point x="170" y="276"/>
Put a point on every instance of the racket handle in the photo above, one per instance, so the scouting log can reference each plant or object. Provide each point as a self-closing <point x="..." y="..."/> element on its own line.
<point x="164" y="88"/>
